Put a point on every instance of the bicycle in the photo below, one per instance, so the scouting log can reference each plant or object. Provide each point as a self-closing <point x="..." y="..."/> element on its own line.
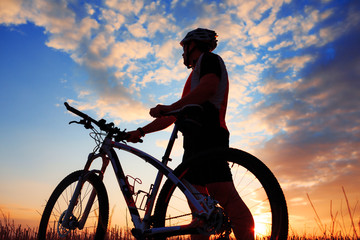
<point x="79" y="204"/>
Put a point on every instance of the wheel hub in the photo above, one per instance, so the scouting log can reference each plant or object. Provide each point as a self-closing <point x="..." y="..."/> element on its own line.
<point x="63" y="230"/>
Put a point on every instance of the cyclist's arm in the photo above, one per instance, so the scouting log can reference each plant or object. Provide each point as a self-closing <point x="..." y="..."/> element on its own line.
<point x="159" y="124"/>
<point x="204" y="91"/>
<point x="154" y="126"/>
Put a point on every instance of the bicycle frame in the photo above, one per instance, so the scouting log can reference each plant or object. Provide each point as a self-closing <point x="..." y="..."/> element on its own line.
<point x="208" y="217"/>
<point x="142" y="226"/>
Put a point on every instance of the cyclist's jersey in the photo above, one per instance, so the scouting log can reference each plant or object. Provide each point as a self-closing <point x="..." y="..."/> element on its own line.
<point x="211" y="63"/>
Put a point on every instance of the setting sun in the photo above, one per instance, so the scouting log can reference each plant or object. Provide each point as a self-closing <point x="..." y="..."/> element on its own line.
<point x="262" y="226"/>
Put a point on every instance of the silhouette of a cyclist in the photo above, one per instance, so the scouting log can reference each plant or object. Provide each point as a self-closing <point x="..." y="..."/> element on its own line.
<point x="207" y="86"/>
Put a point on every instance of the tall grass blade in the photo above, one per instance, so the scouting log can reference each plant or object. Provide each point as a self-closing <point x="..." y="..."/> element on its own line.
<point x="318" y="220"/>
<point x="351" y="217"/>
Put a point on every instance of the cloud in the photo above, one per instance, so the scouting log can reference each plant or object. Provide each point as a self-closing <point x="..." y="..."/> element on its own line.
<point x="10" y="12"/>
<point x="115" y="104"/>
<point x="108" y="42"/>
<point x="278" y="86"/>
<point x="114" y="20"/>
<point x="64" y="31"/>
<point x="122" y="52"/>
<point x="302" y="117"/>
<point x="251" y="11"/>
<point x="281" y="45"/>
<point x="159" y="23"/>
<point x="126" y="7"/>
<point x="113" y="41"/>
<point x="101" y="44"/>
<point x="69" y="38"/>
<point x="168" y="52"/>
<point x="137" y="30"/>
<point x="296" y="63"/>
<point x="332" y="32"/>
<point x="164" y="75"/>
<point x="304" y="28"/>
<point x="238" y="59"/>
<point x="317" y="119"/>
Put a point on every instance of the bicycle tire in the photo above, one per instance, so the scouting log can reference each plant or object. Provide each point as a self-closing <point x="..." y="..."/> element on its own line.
<point x="58" y="203"/>
<point x="249" y="165"/>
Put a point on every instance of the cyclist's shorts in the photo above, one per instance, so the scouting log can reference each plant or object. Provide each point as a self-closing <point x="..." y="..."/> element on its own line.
<point x="203" y="169"/>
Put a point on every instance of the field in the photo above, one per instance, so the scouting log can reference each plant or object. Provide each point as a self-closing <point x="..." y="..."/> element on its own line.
<point x="335" y="231"/>
<point x="8" y="231"/>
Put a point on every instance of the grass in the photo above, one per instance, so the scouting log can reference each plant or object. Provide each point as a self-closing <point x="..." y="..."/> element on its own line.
<point x="8" y="231"/>
<point x="336" y="230"/>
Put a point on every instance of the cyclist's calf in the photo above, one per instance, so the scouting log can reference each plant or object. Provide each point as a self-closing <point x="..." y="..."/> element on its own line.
<point x="240" y="216"/>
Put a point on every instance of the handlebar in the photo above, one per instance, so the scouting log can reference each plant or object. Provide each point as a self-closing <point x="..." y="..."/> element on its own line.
<point x="122" y="135"/>
<point x="107" y="127"/>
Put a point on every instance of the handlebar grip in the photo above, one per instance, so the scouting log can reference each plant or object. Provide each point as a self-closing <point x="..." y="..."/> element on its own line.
<point x="75" y="111"/>
<point x="127" y="137"/>
<point x="67" y="105"/>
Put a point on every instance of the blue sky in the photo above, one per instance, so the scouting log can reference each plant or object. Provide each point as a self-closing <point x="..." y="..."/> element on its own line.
<point x="294" y="97"/>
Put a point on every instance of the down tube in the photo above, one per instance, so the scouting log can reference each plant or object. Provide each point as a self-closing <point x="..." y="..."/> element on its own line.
<point x="124" y="187"/>
<point x="165" y="171"/>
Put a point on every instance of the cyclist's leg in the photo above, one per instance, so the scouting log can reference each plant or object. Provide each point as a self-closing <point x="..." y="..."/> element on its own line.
<point x="240" y="216"/>
<point x="202" y="190"/>
<point x="256" y="185"/>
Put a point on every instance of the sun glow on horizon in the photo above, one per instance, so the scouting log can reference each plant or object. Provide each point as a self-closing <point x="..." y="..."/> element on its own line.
<point x="262" y="226"/>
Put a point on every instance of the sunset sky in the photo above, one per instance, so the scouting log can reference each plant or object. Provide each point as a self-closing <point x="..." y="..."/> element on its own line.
<point x="294" y="70"/>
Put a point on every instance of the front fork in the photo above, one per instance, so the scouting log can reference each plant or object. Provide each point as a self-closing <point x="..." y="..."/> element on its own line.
<point x="67" y="221"/>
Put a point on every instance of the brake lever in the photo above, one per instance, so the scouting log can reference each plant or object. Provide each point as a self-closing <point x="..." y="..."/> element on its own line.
<point x="77" y="122"/>
<point x="87" y="124"/>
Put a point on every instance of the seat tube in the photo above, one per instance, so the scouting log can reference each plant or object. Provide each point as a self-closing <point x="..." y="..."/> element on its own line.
<point x="165" y="160"/>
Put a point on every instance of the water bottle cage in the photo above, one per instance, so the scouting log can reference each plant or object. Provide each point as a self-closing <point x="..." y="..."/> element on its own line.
<point x="142" y="203"/>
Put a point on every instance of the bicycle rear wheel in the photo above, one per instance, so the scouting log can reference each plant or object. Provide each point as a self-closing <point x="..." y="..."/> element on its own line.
<point x="96" y="224"/>
<point x="254" y="182"/>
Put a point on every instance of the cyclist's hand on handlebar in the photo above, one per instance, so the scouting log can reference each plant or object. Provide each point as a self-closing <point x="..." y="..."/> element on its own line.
<point x="134" y="136"/>
<point x="159" y="110"/>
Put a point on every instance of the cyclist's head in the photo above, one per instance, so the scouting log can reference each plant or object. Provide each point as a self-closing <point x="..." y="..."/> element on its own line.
<point x="204" y="39"/>
<point x="200" y="39"/>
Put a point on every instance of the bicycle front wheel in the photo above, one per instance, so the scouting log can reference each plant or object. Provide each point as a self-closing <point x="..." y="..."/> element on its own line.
<point x="255" y="183"/>
<point x="95" y="227"/>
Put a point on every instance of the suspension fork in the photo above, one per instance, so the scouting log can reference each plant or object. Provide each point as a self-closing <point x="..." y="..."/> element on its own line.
<point x="74" y="200"/>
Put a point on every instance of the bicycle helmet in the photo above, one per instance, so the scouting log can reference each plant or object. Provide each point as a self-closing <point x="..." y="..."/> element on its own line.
<point x="205" y="39"/>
